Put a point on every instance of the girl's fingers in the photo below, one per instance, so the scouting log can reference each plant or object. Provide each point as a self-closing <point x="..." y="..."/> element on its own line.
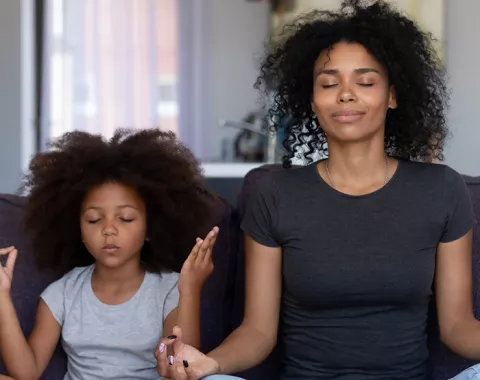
<point x="208" y="255"/>
<point x="195" y="249"/>
<point x="10" y="264"/>
<point x="206" y="244"/>
<point x="6" y="251"/>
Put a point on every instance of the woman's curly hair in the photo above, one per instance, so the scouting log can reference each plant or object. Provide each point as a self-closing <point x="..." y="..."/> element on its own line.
<point x="415" y="130"/>
<point x="155" y="164"/>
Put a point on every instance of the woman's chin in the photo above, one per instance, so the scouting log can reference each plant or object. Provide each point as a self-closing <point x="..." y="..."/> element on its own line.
<point x="351" y="134"/>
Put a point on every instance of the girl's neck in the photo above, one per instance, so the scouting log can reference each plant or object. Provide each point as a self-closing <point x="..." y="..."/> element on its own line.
<point x="121" y="276"/>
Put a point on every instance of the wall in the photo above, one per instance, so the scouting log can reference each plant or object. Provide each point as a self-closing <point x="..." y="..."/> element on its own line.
<point x="428" y="13"/>
<point x="231" y="90"/>
<point x="463" y="58"/>
<point x="237" y="32"/>
<point x="220" y="45"/>
<point x="16" y="91"/>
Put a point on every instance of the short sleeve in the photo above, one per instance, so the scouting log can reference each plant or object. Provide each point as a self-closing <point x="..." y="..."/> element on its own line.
<point x="54" y="297"/>
<point x="261" y="213"/>
<point x="171" y="300"/>
<point x="460" y="217"/>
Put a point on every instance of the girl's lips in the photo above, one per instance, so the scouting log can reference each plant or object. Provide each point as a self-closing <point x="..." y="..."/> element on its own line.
<point x="110" y="248"/>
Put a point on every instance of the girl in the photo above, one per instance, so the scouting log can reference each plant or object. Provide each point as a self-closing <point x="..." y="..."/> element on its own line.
<point x="117" y="219"/>
<point x="344" y="252"/>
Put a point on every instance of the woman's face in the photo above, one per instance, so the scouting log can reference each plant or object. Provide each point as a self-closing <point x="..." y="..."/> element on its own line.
<point x="351" y="94"/>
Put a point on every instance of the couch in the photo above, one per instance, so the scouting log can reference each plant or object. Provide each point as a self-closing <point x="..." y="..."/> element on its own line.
<point x="223" y="297"/>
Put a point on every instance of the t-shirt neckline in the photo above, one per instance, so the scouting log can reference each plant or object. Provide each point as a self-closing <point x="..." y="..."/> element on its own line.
<point x="362" y="196"/>
<point x="122" y="305"/>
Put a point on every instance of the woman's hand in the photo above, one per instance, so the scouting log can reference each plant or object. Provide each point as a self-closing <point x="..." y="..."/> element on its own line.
<point x="6" y="272"/>
<point x="184" y="362"/>
<point x="198" y="266"/>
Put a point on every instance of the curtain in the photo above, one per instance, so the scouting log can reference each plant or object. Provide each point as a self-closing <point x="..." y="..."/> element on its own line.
<point x="108" y="64"/>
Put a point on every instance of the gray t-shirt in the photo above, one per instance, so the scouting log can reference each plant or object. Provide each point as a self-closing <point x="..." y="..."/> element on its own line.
<point x="357" y="270"/>
<point x="111" y="342"/>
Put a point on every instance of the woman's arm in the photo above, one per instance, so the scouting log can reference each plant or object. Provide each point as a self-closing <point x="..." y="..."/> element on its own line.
<point x="459" y="329"/>
<point x="256" y="337"/>
<point x="27" y="360"/>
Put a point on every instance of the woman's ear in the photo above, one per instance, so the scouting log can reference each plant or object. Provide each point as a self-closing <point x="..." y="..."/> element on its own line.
<point x="392" y="100"/>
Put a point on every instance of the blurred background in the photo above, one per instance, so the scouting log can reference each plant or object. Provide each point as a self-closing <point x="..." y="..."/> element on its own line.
<point x="183" y="65"/>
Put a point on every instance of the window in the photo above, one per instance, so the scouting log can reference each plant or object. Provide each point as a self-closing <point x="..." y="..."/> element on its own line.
<point x="109" y="64"/>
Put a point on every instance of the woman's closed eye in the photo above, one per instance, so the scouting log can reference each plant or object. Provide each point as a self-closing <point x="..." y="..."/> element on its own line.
<point x="360" y="84"/>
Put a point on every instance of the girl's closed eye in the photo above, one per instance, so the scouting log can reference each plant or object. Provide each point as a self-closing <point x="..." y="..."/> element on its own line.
<point x="93" y="221"/>
<point x="329" y="85"/>
<point x="127" y="220"/>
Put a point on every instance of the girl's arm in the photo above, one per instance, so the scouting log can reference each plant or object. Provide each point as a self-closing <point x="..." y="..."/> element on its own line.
<point x="187" y="316"/>
<point x="196" y="269"/>
<point x="26" y="360"/>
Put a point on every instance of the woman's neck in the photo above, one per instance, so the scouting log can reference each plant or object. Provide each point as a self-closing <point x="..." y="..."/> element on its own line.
<point x="358" y="168"/>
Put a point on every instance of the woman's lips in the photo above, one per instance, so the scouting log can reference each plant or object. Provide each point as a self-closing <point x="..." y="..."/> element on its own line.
<point x="348" y="116"/>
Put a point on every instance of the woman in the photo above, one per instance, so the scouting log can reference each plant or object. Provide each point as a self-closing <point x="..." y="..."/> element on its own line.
<point x="345" y="250"/>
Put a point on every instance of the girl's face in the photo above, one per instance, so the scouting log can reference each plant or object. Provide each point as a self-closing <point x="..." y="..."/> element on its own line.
<point x="351" y="94"/>
<point x="113" y="223"/>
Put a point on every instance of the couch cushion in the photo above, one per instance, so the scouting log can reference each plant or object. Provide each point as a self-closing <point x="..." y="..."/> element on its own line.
<point x="28" y="282"/>
<point x="218" y="291"/>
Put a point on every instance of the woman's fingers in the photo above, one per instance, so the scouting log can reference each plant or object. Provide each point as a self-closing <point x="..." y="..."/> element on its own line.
<point x="163" y="365"/>
<point x="189" y="371"/>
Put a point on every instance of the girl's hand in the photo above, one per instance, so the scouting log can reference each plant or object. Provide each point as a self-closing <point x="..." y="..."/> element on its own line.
<point x="198" y="266"/>
<point x="6" y="271"/>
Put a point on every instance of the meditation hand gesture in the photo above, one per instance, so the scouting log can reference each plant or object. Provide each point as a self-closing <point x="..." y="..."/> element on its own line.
<point x="185" y="363"/>
<point x="6" y="271"/>
<point x="198" y="266"/>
